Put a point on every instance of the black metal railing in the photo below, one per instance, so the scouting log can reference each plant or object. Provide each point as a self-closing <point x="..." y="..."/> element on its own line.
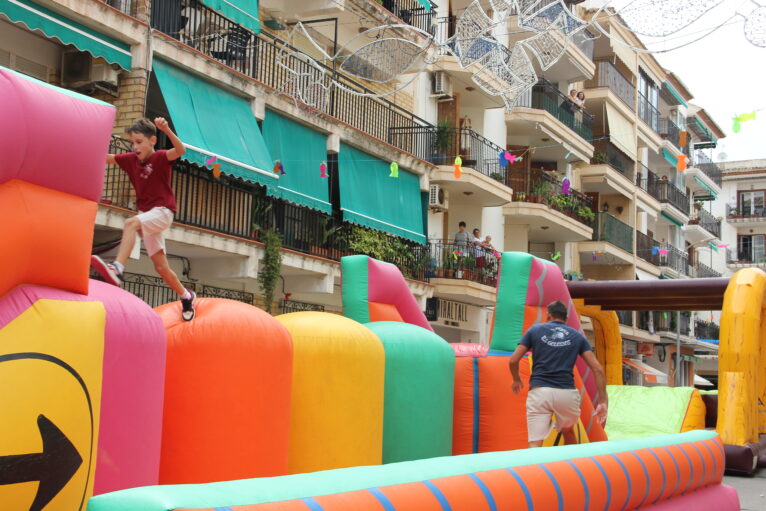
<point x="665" y="321"/>
<point x="538" y="186"/>
<point x="707" y="221"/>
<point x="647" y="248"/>
<point x="742" y="213"/>
<point x="155" y="292"/>
<point x="258" y="56"/>
<point x="585" y="41"/>
<point x="295" y="306"/>
<point x="545" y="96"/>
<point x="625" y="317"/>
<point x="129" y="7"/>
<point x="444" y="28"/>
<point x="668" y="192"/>
<point x="242" y="209"/>
<point x="441" y="145"/>
<point x="607" y="75"/>
<point x="706" y="330"/>
<point x="708" y="167"/>
<point x="670" y="131"/>
<point x="464" y="261"/>
<point x="674" y="259"/>
<point x="412" y="13"/>
<point x="647" y="180"/>
<point x="606" y="152"/>
<point x="702" y="271"/>
<point x="648" y="113"/>
<point x="610" y="229"/>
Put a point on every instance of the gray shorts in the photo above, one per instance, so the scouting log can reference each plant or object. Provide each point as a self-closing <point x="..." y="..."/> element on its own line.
<point x="545" y="402"/>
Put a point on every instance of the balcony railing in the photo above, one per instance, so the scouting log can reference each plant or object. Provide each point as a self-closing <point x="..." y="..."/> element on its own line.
<point x="664" y="321"/>
<point x="255" y="55"/>
<point x="647" y="180"/>
<point x="668" y="193"/>
<point x="289" y="306"/>
<point x="545" y="96"/>
<point x="648" y="113"/>
<point x="129" y="7"/>
<point x="607" y="75"/>
<point x="706" y="330"/>
<point x="647" y="248"/>
<point x="708" y="167"/>
<point x="616" y="232"/>
<point x="538" y="186"/>
<point x="606" y="152"/>
<point x="670" y="131"/>
<point x="707" y="221"/>
<point x="441" y="145"/>
<point x="625" y="317"/>
<point x="412" y="13"/>
<point x="702" y="271"/>
<point x="674" y="259"/>
<point x="585" y="41"/>
<point x="243" y="210"/>
<point x="735" y="214"/>
<point x="155" y="292"/>
<point x="464" y="261"/>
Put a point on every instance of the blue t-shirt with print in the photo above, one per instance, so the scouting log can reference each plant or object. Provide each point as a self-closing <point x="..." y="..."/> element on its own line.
<point x="555" y="347"/>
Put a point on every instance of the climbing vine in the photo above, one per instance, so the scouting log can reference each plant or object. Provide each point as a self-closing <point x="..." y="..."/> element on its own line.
<point x="271" y="270"/>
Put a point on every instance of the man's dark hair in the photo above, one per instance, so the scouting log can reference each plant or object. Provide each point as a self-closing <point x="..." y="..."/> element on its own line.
<point x="143" y="126"/>
<point x="461" y="224"/>
<point x="475" y="230"/>
<point x="558" y="310"/>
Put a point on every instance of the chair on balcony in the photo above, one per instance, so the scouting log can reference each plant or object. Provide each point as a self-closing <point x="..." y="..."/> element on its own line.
<point x="237" y="41"/>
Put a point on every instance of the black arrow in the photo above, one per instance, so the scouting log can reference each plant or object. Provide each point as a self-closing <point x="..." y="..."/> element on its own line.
<point x="53" y="467"/>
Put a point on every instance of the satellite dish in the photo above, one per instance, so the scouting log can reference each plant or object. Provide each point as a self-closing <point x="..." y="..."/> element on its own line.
<point x="722" y="156"/>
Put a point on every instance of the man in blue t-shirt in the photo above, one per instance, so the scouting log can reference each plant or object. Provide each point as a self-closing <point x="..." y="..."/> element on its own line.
<point x="555" y="348"/>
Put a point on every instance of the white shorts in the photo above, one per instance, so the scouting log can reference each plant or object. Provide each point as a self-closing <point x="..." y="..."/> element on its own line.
<point x="543" y="403"/>
<point x="153" y="224"/>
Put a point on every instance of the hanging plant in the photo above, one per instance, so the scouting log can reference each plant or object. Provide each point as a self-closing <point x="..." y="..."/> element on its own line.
<point x="272" y="267"/>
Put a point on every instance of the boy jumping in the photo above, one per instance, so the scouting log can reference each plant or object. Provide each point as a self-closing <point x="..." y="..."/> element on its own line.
<point x="149" y="172"/>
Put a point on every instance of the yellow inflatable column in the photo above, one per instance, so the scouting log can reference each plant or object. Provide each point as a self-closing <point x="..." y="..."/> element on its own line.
<point x="606" y="333"/>
<point x="337" y="393"/>
<point x="740" y="362"/>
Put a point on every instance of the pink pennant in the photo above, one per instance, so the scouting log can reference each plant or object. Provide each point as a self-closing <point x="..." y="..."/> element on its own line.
<point x="323" y="169"/>
<point x="723" y="245"/>
<point x="663" y="251"/>
<point x="210" y="160"/>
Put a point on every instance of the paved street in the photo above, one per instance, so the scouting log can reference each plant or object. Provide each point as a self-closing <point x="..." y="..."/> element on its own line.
<point x="752" y="490"/>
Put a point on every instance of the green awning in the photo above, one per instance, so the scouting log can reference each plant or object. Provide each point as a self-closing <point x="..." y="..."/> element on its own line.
<point x="675" y="94"/>
<point x="706" y="187"/>
<point x="58" y="26"/>
<point x="301" y="150"/>
<point x="213" y="122"/>
<point x="672" y="220"/>
<point x="670" y="158"/>
<point x="369" y="197"/>
<point x="244" y="12"/>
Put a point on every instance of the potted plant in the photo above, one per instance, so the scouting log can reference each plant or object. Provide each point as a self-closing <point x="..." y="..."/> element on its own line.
<point x="599" y="158"/>
<point x="585" y="213"/>
<point x="497" y="176"/>
<point x="540" y="190"/>
<point x="442" y="142"/>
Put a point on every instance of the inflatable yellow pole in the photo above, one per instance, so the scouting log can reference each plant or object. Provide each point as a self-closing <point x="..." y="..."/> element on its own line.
<point x="606" y="331"/>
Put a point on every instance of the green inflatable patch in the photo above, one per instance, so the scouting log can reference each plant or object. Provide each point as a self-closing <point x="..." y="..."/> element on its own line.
<point x="636" y="412"/>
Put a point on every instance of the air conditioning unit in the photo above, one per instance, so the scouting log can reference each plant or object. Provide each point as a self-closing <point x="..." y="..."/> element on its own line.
<point x="441" y="85"/>
<point x="80" y="71"/>
<point x="437" y="198"/>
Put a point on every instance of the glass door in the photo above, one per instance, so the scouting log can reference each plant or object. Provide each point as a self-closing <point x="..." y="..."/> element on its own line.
<point x="752" y="203"/>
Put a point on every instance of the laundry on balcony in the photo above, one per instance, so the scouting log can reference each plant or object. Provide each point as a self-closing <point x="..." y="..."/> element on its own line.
<point x="55" y="25"/>
<point x="370" y="198"/>
<point x="214" y="122"/>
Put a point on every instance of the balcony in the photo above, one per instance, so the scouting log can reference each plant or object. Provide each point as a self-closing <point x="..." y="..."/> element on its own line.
<point x="671" y="132"/>
<point x="129" y="7"/>
<point x="483" y="177"/>
<point x="155" y="292"/>
<point x="701" y="225"/>
<point x="668" y="194"/>
<point x="647" y="248"/>
<point x="608" y="76"/>
<point x="585" y="41"/>
<point x="459" y="270"/>
<point x="673" y="262"/>
<point x="706" y="330"/>
<point x="750" y="215"/>
<point x="242" y="210"/>
<point x="745" y="257"/>
<point x="255" y="55"/>
<point x="650" y="127"/>
<point x="610" y="229"/>
<point x="412" y="13"/>
<point x="610" y="171"/>
<point x="702" y="271"/>
<point x="709" y="168"/>
<point x="545" y="96"/>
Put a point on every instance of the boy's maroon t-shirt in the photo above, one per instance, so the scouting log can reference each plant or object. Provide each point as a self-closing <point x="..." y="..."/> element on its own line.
<point x="151" y="179"/>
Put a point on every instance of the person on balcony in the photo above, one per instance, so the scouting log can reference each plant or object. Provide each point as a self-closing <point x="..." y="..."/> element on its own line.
<point x="555" y="347"/>
<point x="149" y="172"/>
<point x="580" y="100"/>
<point x="570" y="102"/>
<point x="461" y="237"/>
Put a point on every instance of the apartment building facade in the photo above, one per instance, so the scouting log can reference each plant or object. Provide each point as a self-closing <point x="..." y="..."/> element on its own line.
<point x="228" y="84"/>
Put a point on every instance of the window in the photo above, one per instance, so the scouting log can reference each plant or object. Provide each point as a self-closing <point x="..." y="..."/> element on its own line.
<point x="751" y="203"/>
<point x="751" y="248"/>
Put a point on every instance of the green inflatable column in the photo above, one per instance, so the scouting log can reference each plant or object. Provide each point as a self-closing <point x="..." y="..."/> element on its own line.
<point x="420" y="375"/>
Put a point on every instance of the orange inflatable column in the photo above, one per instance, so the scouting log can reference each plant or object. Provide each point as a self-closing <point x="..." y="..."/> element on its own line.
<point x="227" y="393"/>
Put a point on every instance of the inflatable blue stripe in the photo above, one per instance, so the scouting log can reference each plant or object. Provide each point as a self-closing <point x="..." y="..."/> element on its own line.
<point x="715" y="463"/>
<point x="664" y="476"/>
<point x="678" y="469"/>
<point x="606" y="480"/>
<point x="499" y="353"/>
<point x="584" y="484"/>
<point x="387" y="505"/>
<point x="312" y="504"/>
<point x="527" y="496"/>
<point x="485" y="491"/>
<point x="646" y="476"/>
<point x="627" y="478"/>
<point x="475" y="405"/>
<point x="704" y="465"/>
<point x="691" y="471"/>
<point x="223" y="509"/>
<point x="443" y="502"/>
<point x="555" y="486"/>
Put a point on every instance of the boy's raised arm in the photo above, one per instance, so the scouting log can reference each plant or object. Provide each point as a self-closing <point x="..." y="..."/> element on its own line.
<point x="178" y="147"/>
<point x="110" y="160"/>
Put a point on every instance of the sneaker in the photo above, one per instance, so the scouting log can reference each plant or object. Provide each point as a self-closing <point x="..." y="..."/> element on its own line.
<point x="108" y="272"/>
<point x="187" y="311"/>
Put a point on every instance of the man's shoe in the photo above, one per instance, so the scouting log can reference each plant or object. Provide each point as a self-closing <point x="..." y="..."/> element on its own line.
<point x="108" y="272"/>
<point x="187" y="311"/>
